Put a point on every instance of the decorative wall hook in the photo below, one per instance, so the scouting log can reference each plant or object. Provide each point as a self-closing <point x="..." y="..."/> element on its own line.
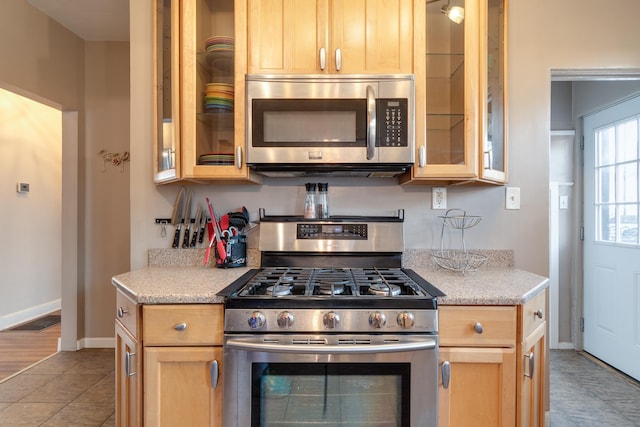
<point x="116" y="159"/>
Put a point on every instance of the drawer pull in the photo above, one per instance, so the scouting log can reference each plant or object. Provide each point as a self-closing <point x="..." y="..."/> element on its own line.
<point x="122" y="312"/>
<point x="180" y="327"/>
<point x="478" y="328"/>
<point x="446" y="374"/>
<point x="532" y="365"/>
<point x="214" y="373"/>
<point x="538" y="313"/>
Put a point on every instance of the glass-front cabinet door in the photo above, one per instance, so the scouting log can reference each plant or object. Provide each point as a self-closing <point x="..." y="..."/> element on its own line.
<point x="494" y="137"/>
<point x="460" y="134"/>
<point x="200" y="90"/>
<point x="167" y="93"/>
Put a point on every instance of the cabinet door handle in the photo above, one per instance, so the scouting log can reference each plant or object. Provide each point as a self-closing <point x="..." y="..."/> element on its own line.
<point x="446" y="373"/>
<point x="532" y="364"/>
<point x="214" y="373"/>
<point x="338" y="59"/>
<point x="180" y="326"/>
<point x="478" y="328"/>
<point x="127" y="363"/>
<point x="122" y="312"/>
<point x="422" y="156"/>
<point x="239" y="157"/>
<point x="323" y="58"/>
<point x="538" y="313"/>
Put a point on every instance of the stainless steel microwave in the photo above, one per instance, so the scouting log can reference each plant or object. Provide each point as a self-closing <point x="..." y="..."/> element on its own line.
<point x="345" y="125"/>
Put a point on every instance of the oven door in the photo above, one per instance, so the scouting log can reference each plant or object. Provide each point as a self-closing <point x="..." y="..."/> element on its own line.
<point x="326" y="380"/>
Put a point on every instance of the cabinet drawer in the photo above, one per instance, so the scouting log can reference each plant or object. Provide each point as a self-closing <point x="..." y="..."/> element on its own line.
<point x="477" y="326"/>
<point x="534" y="313"/>
<point x="188" y="324"/>
<point x="128" y="314"/>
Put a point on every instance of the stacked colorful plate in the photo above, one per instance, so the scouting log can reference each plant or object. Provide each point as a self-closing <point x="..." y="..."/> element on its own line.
<point x="216" y="159"/>
<point x="219" y="44"/>
<point x="218" y="98"/>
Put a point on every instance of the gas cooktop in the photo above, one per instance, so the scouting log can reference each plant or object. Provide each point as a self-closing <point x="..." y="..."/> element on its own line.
<point x="347" y="287"/>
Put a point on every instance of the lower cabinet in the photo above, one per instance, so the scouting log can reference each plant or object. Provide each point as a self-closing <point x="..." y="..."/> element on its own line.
<point x="168" y="364"/>
<point x="182" y="386"/>
<point x="480" y="387"/>
<point x="532" y="364"/>
<point x="493" y="365"/>
<point x="128" y="378"/>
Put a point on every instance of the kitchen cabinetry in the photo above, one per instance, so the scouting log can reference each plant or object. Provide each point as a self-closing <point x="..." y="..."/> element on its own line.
<point x="532" y="363"/>
<point x="477" y="365"/>
<point x="493" y="365"/>
<point x="461" y="123"/>
<point x="128" y="364"/>
<point x="199" y="80"/>
<point x="182" y="364"/>
<point x="169" y="370"/>
<point x="331" y="36"/>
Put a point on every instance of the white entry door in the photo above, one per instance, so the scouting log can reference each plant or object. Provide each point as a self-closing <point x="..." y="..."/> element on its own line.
<point x="611" y="245"/>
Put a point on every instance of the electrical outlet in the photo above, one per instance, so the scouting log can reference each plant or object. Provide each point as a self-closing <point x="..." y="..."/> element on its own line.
<point x="439" y="198"/>
<point x="512" y="198"/>
<point x="22" y="187"/>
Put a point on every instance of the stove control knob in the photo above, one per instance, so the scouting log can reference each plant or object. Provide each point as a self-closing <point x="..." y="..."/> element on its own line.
<point x="257" y="320"/>
<point x="377" y="320"/>
<point x="331" y="320"/>
<point x="285" y="319"/>
<point x="406" y="320"/>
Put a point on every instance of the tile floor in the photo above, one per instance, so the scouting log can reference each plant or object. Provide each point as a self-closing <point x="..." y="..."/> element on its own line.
<point x="586" y="393"/>
<point x="78" y="389"/>
<point x="66" y="389"/>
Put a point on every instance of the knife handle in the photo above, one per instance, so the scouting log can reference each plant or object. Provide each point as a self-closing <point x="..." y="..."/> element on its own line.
<point x="185" y="238"/>
<point x="202" y="227"/>
<point x="194" y="239"/>
<point x="176" y="237"/>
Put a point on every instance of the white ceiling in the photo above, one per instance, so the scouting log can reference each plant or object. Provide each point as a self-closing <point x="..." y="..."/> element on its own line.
<point x="93" y="20"/>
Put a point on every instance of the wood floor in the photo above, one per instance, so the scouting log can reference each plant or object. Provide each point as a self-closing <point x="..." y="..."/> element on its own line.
<point x="21" y="349"/>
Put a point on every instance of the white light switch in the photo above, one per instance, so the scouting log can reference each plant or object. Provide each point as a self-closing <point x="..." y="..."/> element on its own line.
<point x="564" y="202"/>
<point x="512" y="198"/>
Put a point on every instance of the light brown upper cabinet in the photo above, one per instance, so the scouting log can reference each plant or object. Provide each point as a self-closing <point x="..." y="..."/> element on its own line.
<point x="199" y="79"/>
<point x="331" y="36"/>
<point x="461" y="100"/>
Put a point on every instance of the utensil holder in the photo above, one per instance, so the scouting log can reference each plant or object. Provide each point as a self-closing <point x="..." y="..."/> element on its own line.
<point x="236" y="247"/>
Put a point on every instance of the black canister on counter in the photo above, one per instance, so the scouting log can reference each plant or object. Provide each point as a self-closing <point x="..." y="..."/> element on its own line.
<point x="236" y="247"/>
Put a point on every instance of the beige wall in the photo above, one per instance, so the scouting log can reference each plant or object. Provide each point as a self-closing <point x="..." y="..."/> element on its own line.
<point x="44" y="61"/>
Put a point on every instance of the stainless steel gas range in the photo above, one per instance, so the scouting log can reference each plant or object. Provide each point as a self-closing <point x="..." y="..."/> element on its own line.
<point x="331" y="331"/>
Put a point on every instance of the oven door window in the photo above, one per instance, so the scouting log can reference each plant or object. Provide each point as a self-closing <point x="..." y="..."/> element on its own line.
<point x="309" y="122"/>
<point x="330" y="394"/>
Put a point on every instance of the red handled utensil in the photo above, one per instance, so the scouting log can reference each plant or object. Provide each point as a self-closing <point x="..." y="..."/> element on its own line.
<point x="222" y="252"/>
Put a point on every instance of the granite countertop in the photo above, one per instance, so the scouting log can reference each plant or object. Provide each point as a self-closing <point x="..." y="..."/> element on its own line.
<point x="199" y="284"/>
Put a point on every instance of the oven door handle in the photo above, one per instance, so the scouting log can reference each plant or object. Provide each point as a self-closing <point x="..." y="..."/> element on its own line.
<point x="238" y="344"/>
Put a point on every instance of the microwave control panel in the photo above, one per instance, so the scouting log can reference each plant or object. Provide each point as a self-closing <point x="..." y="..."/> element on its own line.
<point x="392" y="117"/>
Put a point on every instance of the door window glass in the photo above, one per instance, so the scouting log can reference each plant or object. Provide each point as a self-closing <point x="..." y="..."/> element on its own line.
<point x="617" y="182"/>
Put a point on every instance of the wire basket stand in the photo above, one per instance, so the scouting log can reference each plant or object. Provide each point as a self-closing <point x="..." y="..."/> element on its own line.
<point x="459" y="260"/>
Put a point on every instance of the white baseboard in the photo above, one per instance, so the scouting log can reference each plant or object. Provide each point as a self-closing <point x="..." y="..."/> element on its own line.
<point x="566" y="346"/>
<point x="12" y="319"/>
<point x="109" y="342"/>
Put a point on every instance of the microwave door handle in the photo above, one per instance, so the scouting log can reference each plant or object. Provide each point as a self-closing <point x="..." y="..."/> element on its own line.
<point x="371" y="122"/>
